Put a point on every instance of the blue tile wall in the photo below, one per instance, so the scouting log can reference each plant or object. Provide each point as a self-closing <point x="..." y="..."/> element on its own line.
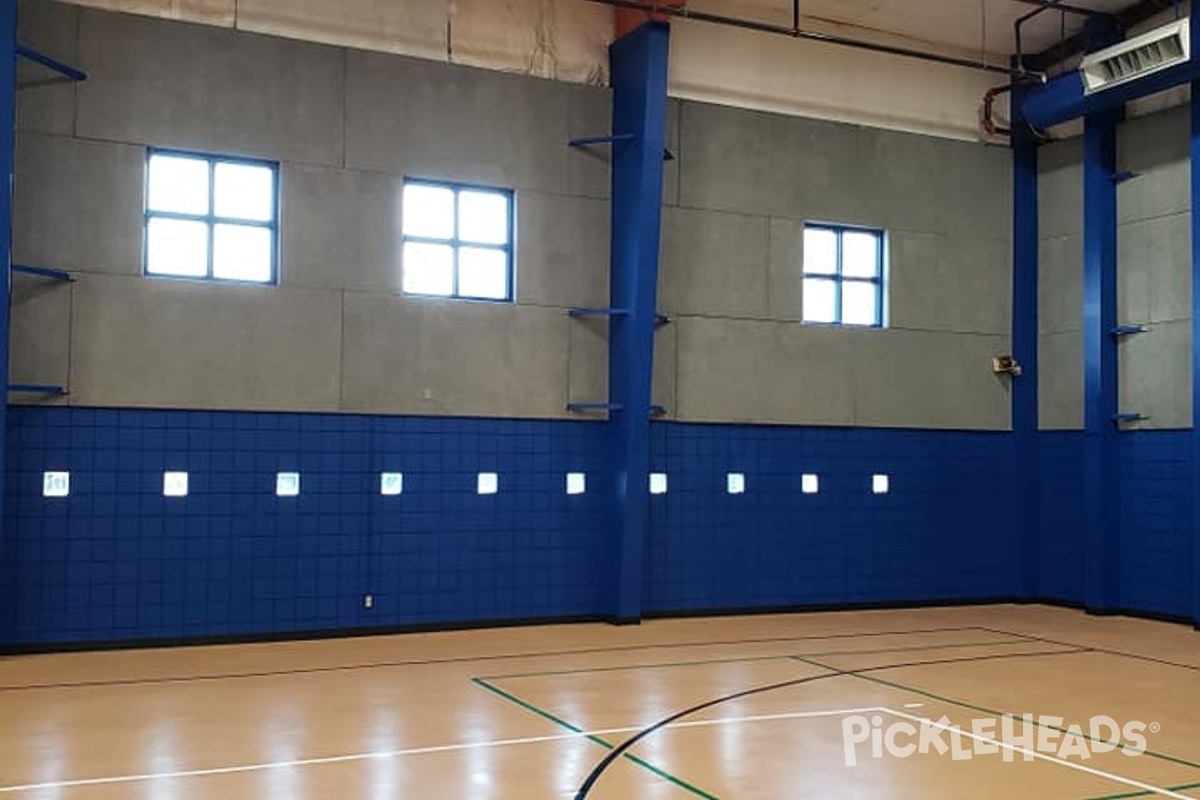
<point x="1156" y="522"/>
<point x="1062" y="564"/>
<point x="936" y="536"/>
<point x="118" y="561"/>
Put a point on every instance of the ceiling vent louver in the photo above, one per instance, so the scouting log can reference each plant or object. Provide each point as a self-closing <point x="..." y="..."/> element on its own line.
<point x="1136" y="57"/>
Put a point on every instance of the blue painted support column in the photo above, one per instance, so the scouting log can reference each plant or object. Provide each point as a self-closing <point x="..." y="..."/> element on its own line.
<point x="1101" y="489"/>
<point x="639" y="78"/>
<point x="1025" y="349"/>
<point x="1195" y="153"/>
<point x="8" y="102"/>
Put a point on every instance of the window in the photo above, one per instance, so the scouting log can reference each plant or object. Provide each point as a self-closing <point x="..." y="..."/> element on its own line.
<point x="843" y="275"/>
<point x="487" y="483"/>
<point x="810" y="483"/>
<point x="576" y="483"/>
<point x="658" y="483"/>
<point x="457" y="241"/>
<point x="175" y="484"/>
<point x="56" y="484"/>
<point x="287" y="484"/>
<point x="211" y="218"/>
<point x="735" y="483"/>
<point x="880" y="484"/>
<point x="391" y="484"/>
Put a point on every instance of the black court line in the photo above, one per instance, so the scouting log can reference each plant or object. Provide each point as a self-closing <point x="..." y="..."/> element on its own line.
<point x="470" y="659"/>
<point x="1106" y="651"/>
<point x="590" y="781"/>
<point x="749" y="659"/>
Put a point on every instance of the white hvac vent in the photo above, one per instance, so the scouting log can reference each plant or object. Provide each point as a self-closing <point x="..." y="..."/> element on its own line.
<point x="1137" y="57"/>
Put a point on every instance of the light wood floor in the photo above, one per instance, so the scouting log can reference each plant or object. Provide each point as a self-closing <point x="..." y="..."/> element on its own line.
<point x="529" y="712"/>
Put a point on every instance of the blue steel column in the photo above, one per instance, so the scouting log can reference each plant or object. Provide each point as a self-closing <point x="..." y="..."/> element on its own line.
<point x="1195" y="152"/>
<point x="8" y="102"/>
<point x="1025" y="348"/>
<point x="639" y="78"/>
<point x="1101" y="488"/>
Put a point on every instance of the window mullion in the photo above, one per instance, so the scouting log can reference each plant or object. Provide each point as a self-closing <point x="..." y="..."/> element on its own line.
<point x="837" y="292"/>
<point x="454" y="247"/>
<point x="212" y="214"/>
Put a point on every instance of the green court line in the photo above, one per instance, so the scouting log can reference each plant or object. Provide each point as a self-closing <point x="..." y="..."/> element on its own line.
<point x="992" y="712"/>
<point x="562" y="723"/>
<point x="1131" y="795"/>
<point x="752" y="659"/>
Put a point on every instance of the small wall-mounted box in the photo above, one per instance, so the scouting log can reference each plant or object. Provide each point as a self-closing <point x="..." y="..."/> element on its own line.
<point x="1005" y="365"/>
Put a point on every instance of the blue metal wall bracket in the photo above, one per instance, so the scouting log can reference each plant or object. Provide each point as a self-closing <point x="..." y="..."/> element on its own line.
<point x="43" y="272"/>
<point x="1128" y="330"/>
<point x="36" y="388"/>
<point x="639" y="79"/>
<point x="591" y="141"/>
<point x="50" y="63"/>
<point x="1102" y="465"/>
<point x="1129" y="417"/>
<point x="1025" y="350"/>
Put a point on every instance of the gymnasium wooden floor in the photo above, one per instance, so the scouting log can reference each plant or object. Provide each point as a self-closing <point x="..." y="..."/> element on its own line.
<point x="530" y="712"/>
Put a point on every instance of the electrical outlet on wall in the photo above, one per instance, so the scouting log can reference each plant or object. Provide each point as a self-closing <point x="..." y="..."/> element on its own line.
<point x="368" y="601"/>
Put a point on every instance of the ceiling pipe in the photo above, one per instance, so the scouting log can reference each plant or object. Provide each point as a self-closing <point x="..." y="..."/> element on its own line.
<point x="990" y="126"/>
<point x="795" y="32"/>
<point x="1048" y="5"/>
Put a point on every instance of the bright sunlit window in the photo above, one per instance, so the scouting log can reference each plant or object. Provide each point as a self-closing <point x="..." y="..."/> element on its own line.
<point x="211" y="218"/>
<point x="457" y="241"/>
<point x="843" y="275"/>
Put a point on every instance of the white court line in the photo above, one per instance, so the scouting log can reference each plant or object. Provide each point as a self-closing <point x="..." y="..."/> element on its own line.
<point x="416" y="751"/>
<point x="307" y="762"/>
<point x="1052" y="759"/>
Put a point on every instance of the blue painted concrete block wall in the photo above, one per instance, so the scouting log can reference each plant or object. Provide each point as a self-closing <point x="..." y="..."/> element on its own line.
<point x="118" y="561"/>
<point x="1155" y="521"/>
<point x="1062" y="553"/>
<point x="937" y="535"/>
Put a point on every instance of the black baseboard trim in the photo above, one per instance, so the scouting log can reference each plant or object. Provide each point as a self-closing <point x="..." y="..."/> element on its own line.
<point x="295" y="636"/>
<point x="526" y="622"/>
<point x="829" y="608"/>
<point x="1133" y="613"/>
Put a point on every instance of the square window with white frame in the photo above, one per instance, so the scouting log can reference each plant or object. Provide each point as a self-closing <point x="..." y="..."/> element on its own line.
<point x="457" y="241"/>
<point x="844" y="275"/>
<point x="211" y="217"/>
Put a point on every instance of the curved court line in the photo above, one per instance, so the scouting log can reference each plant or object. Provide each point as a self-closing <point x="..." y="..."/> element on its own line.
<point x="620" y="750"/>
<point x="470" y="659"/>
<point x="416" y="751"/>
